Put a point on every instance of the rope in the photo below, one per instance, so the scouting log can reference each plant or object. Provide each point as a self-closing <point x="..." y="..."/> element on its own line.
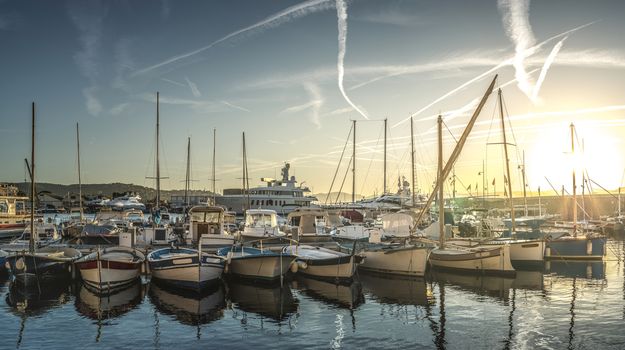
<point x="339" y="165"/>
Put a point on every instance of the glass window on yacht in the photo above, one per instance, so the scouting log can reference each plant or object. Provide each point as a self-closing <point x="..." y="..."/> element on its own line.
<point x="261" y="220"/>
<point x="205" y="217"/>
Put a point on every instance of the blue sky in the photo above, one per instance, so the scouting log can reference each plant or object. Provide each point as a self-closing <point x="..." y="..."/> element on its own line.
<point x="271" y="69"/>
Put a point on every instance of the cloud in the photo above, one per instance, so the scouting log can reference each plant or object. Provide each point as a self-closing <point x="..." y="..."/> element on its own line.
<point x="197" y="105"/>
<point x="194" y="90"/>
<point x="284" y="16"/>
<point x="391" y="16"/>
<point x="118" y="109"/>
<point x="314" y="104"/>
<point x="339" y="111"/>
<point x="341" y="14"/>
<point x="88" y="17"/>
<point x="231" y="105"/>
<point x="543" y="72"/>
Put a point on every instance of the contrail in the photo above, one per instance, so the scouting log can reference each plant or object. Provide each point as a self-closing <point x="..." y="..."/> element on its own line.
<point x="516" y="22"/>
<point x="532" y="50"/>
<point x="234" y="106"/>
<point x="193" y="86"/>
<point x="286" y="15"/>
<point x="341" y="13"/>
<point x="543" y="72"/>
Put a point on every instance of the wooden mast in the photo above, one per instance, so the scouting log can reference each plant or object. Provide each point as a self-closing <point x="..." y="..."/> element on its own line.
<point x="158" y="165"/>
<point x="79" y="178"/>
<point x="354" y="164"/>
<point x="456" y="152"/>
<point x="574" y="184"/>
<point x="385" y="129"/>
<point x="507" y="159"/>
<point x="246" y="182"/>
<point x="188" y="174"/>
<point x="412" y="180"/>
<point x="440" y="181"/>
<point x="33" y="230"/>
<point x="214" y="147"/>
<point x="524" y="186"/>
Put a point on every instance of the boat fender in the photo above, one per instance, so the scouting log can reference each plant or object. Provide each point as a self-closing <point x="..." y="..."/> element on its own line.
<point x="19" y="264"/>
<point x="302" y="265"/>
<point x="547" y="252"/>
<point x="228" y="258"/>
<point x="589" y="247"/>
<point x="7" y="266"/>
<point x="293" y="267"/>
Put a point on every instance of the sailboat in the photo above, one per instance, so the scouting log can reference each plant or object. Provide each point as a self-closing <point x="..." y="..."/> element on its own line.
<point x="523" y="252"/>
<point x="482" y="260"/>
<point x="159" y="232"/>
<point x="35" y="264"/>
<point x="582" y="246"/>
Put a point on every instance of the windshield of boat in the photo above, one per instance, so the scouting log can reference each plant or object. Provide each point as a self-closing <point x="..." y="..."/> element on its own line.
<point x="205" y="216"/>
<point x="261" y="220"/>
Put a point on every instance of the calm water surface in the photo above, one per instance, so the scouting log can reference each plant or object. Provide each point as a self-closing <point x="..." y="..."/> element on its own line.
<point x="569" y="305"/>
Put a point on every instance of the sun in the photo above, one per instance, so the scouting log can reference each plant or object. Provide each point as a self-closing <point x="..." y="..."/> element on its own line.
<point x="597" y="156"/>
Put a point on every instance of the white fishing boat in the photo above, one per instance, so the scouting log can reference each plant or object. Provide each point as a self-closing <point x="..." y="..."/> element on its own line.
<point x="111" y="268"/>
<point x="13" y="215"/>
<point x="256" y="263"/>
<point x="185" y="268"/>
<point x="46" y="234"/>
<point x="207" y="226"/>
<point x="324" y="263"/>
<point x="261" y="224"/>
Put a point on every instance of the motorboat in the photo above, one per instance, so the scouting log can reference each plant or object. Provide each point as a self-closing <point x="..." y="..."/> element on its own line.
<point x="309" y="225"/>
<point x="324" y="263"/>
<point x="13" y="215"/>
<point x="185" y="268"/>
<point x="254" y="263"/>
<point x="261" y="224"/>
<point x="206" y="226"/>
<point x="111" y="268"/>
<point x="126" y="202"/>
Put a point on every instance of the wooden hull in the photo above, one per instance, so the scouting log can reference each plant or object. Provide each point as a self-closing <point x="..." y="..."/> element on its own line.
<point x="267" y="267"/>
<point x="405" y="261"/>
<point x="479" y="260"/>
<point x="186" y="271"/>
<point x="45" y="264"/>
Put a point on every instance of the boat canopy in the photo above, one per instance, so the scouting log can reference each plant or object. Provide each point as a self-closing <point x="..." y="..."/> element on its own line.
<point x="206" y="214"/>
<point x="398" y="224"/>
<point x="261" y="218"/>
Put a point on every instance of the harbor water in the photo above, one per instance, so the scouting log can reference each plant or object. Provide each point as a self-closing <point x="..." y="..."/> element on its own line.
<point x="572" y="305"/>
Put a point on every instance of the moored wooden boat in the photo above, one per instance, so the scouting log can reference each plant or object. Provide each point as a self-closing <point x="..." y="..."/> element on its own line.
<point x="480" y="260"/>
<point x="324" y="263"/>
<point x="43" y="264"/>
<point x="577" y="248"/>
<point x="111" y="268"/>
<point x="185" y="267"/>
<point x="256" y="263"/>
<point x="396" y="259"/>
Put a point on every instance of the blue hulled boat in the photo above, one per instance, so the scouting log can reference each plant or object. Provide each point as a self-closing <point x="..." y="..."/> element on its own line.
<point x="185" y="268"/>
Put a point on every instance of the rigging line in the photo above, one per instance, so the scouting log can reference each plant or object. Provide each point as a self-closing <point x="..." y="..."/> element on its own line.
<point x="370" y="162"/>
<point x="450" y="133"/>
<point x="465" y="187"/>
<point x="344" y="178"/>
<point x="339" y="165"/>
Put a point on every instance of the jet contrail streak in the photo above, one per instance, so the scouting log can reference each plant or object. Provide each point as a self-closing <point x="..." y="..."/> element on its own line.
<point x="531" y="50"/>
<point x="543" y="72"/>
<point x="341" y="13"/>
<point x="290" y="13"/>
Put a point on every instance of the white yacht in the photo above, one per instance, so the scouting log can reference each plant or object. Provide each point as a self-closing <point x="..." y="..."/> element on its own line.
<point x="261" y="224"/>
<point x="126" y="202"/>
<point x="283" y="195"/>
<point x="13" y="214"/>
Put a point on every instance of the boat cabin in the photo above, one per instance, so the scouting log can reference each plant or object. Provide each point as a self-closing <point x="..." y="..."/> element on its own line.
<point x="205" y="221"/>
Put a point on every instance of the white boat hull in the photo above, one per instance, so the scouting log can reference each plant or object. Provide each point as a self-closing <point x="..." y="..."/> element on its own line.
<point x="108" y="278"/>
<point x="494" y="260"/>
<point x="264" y="267"/>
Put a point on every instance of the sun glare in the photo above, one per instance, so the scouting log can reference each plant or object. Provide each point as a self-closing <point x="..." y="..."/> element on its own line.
<point x="596" y="154"/>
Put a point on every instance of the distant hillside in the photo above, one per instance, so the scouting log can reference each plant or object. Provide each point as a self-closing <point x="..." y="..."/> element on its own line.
<point x="107" y="190"/>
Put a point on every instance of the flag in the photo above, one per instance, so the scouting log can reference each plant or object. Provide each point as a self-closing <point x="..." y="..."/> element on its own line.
<point x="469" y="188"/>
<point x="493" y="181"/>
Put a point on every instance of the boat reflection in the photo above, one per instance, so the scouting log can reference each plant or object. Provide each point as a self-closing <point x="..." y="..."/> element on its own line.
<point x="347" y="296"/>
<point x="397" y="290"/>
<point x="190" y="308"/>
<point x="273" y="301"/>
<point x="100" y="307"/>
<point x="582" y="269"/>
<point x="491" y="286"/>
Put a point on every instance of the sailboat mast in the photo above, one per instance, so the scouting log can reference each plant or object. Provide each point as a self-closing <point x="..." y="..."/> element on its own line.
<point x="385" y="129"/>
<point x="540" y="208"/>
<point x="412" y="179"/>
<point x="574" y="184"/>
<point x="188" y="175"/>
<point x="214" y="147"/>
<point x="441" y="200"/>
<point x="79" y="179"/>
<point x="354" y="164"/>
<point x="524" y="185"/>
<point x="246" y="183"/>
<point x="33" y="230"/>
<point x="158" y="165"/>
<point x="505" y="149"/>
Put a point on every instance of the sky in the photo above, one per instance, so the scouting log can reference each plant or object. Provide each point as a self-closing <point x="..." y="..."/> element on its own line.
<point x="293" y="75"/>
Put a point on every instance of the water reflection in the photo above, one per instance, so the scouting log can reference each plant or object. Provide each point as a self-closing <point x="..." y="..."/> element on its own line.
<point x="273" y="301"/>
<point x="491" y="286"/>
<point x="188" y="307"/>
<point x="582" y="269"/>
<point x="344" y="295"/>
<point x="397" y="290"/>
